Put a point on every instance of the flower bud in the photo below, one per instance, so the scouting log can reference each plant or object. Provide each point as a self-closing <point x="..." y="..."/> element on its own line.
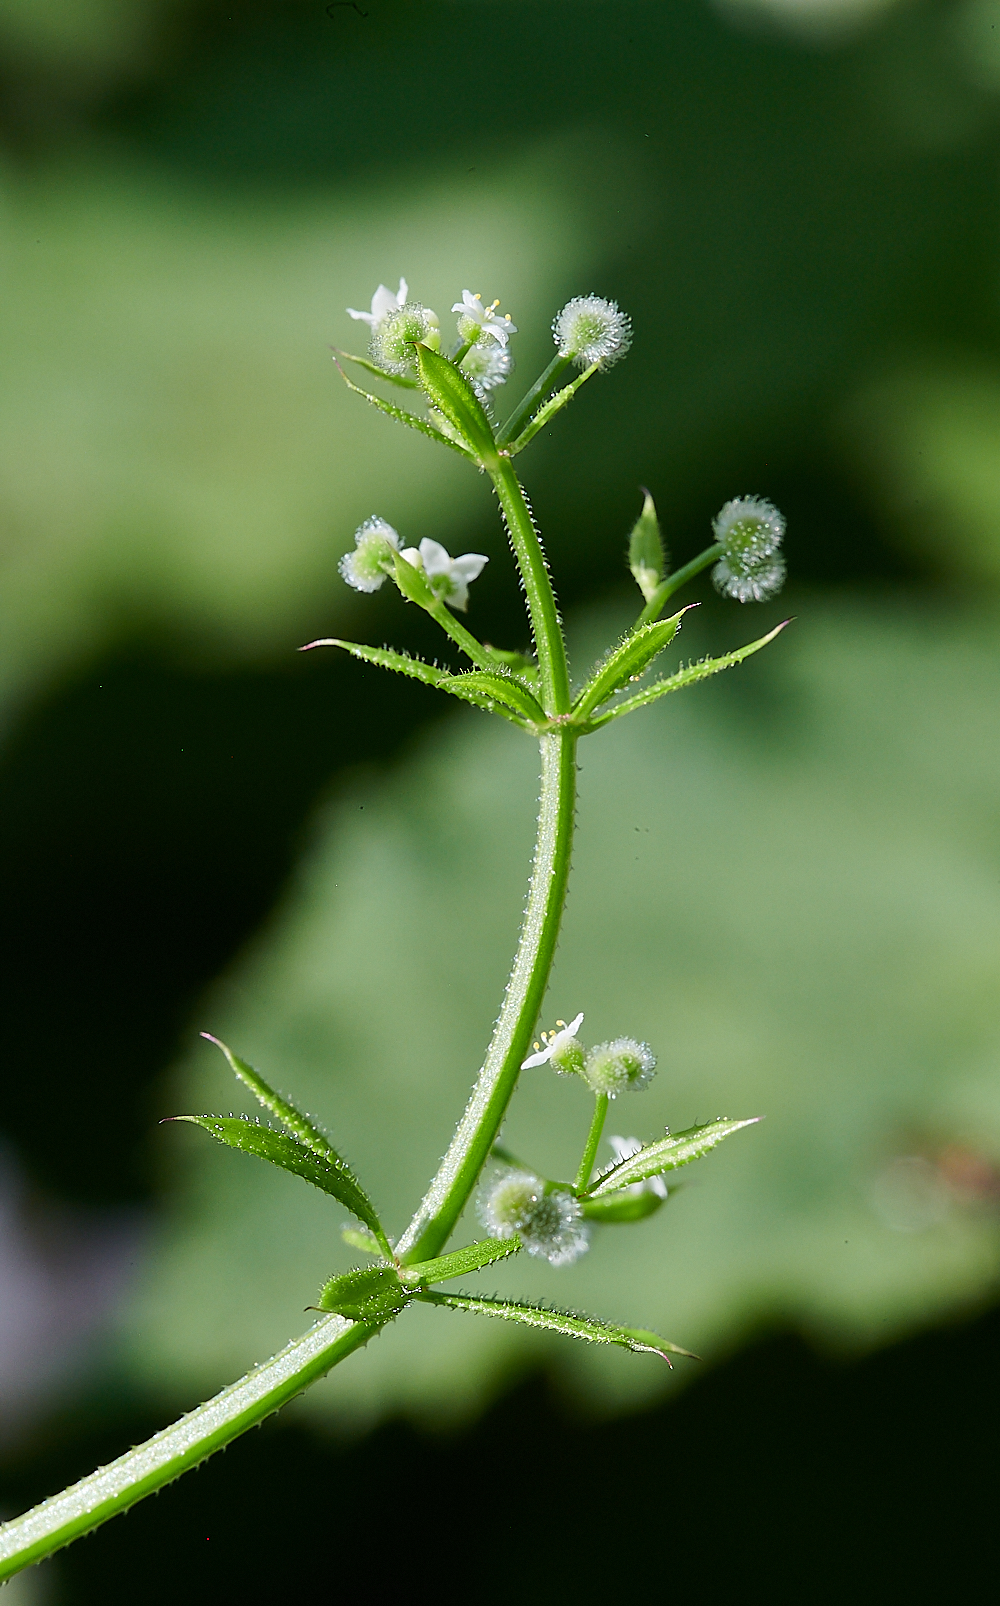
<point x="590" y="329"/>
<point x="621" y="1066"/>
<point x="550" y="1225"/>
<point x="750" y="531"/>
<point x="367" y="566"/>
<point x="395" y="335"/>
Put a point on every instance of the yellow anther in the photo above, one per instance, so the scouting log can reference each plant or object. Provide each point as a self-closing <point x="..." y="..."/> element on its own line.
<point x="477" y="295"/>
<point x="560" y="1023"/>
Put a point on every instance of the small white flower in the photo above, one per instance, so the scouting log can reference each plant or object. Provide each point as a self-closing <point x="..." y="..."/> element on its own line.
<point x="555" y="1042"/>
<point x="478" y="322"/>
<point x="449" y="577"/>
<point x="624" y="1149"/>
<point x="383" y="302"/>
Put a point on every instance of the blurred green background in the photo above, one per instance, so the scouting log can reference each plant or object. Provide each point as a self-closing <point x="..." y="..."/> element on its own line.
<point x="788" y="880"/>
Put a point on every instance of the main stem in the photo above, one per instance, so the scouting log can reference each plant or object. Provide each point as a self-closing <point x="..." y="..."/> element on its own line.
<point x="112" y="1489"/>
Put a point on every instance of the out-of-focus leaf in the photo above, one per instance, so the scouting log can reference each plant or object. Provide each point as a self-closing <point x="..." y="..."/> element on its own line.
<point x="571" y="1324"/>
<point x="631" y="658"/>
<point x="330" y="1173"/>
<point x="359" y="1238"/>
<point x="623" y="1207"/>
<point x="646" y="555"/>
<point x="685" y="677"/>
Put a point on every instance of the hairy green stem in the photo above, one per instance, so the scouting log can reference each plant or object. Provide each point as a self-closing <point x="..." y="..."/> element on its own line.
<point x="112" y="1489"/>
<point x="545" y="622"/>
<point x="673" y="582"/>
<point x="459" y="1170"/>
<point x="593" y="1139"/>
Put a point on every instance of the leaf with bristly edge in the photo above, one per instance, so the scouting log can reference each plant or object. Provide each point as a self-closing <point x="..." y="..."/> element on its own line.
<point x="684" y="677"/>
<point x="373" y="368"/>
<point x="517" y="662"/>
<point x="572" y="1324"/>
<point x="631" y="658"/>
<point x="400" y="414"/>
<point x="326" y="1171"/>
<point x="474" y="1257"/>
<point x="299" y="1125"/>
<point x="547" y="411"/>
<point x="667" y="1155"/>
<point x="479" y="687"/>
<point x="367" y="1294"/>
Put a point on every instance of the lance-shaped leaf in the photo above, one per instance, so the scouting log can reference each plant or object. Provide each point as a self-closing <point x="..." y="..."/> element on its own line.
<point x="487" y="696"/>
<point x="548" y="411"/>
<point x="330" y="1173"/>
<point x="572" y="1324"/>
<point x="461" y="1261"/>
<point x="517" y="662"/>
<point x="684" y="677"/>
<point x="360" y="1238"/>
<point x="373" y="368"/>
<point x="630" y="658"/>
<point x="299" y="1125"/>
<point x="447" y="389"/>
<point x="400" y="414"/>
<point x="646" y="556"/>
<point x="667" y="1155"/>
<point x="499" y="687"/>
<point x="367" y="1294"/>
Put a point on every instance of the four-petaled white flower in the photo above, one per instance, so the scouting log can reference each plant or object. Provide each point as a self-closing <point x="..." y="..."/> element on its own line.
<point x="624" y="1149"/>
<point x="479" y="320"/>
<point x="449" y="577"/>
<point x="554" y="1042"/>
<point x="383" y="302"/>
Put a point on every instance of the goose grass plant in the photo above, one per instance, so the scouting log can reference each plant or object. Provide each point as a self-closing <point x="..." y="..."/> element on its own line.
<point x="519" y="1208"/>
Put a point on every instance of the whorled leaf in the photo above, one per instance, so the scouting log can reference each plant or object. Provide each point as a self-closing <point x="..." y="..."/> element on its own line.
<point x="370" y="367"/>
<point x="482" y="688"/>
<point x="447" y="389"/>
<point x="411" y="420"/>
<point x="684" y="677"/>
<point x="299" y="1125"/>
<point x="623" y="663"/>
<point x="366" y="1294"/>
<point x="571" y="1324"/>
<point x="622" y="1207"/>
<point x="667" y="1155"/>
<point x="328" y="1172"/>
<point x="461" y="1261"/>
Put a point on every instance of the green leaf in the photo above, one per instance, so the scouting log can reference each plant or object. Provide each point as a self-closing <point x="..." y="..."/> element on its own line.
<point x="332" y="1174"/>
<point x="380" y="373"/>
<point x="400" y="414"/>
<point x="631" y="658"/>
<point x="481" y="688"/>
<point x="360" y="1238"/>
<point x="685" y="677"/>
<point x="646" y="556"/>
<point x="298" y="1124"/>
<point x="622" y="1207"/>
<point x="447" y="389"/>
<point x="473" y="1258"/>
<point x="667" y="1155"/>
<point x="517" y="662"/>
<point x="499" y="687"/>
<point x="367" y="1294"/>
<point x="547" y="411"/>
<point x="570" y="1323"/>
